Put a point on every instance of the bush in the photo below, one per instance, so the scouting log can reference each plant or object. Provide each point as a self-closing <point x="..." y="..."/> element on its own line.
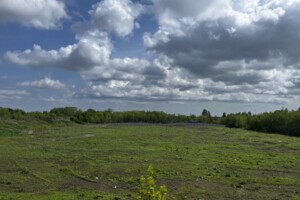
<point x="148" y="189"/>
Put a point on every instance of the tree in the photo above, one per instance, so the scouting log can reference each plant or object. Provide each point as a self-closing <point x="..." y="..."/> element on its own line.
<point x="4" y="113"/>
<point x="205" y="117"/>
<point x="224" y="115"/>
<point x="18" y="114"/>
<point x="64" y="112"/>
<point x="205" y="112"/>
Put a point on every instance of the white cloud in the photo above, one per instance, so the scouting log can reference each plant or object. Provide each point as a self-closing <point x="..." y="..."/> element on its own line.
<point x="141" y="80"/>
<point x="93" y="48"/>
<point x="12" y="94"/>
<point x="177" y="16"/>
<point x="43" y="14"/>
<point x="180" y="18"/>
<point x="118" y="69"/>
<point x="247" y="12"/>
<point x="44" y="83"/>
<point x="242" y="53"/>
<point x="117" y="16"/>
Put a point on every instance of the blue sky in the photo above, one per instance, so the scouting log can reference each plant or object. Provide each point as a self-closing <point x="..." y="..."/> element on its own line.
<point x="170" y="55"/>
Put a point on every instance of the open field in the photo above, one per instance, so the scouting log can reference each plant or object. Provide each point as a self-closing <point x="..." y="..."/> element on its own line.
<point x="69" y="161"/>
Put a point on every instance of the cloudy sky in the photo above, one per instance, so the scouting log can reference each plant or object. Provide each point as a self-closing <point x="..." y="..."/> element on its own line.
<point x="171" y="55"/>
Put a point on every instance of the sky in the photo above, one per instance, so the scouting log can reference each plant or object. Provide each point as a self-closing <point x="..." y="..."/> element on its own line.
<point x="168" y="55"/>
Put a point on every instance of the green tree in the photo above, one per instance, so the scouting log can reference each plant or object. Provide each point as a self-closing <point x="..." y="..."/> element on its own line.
<point x="18" y="114"/>
<point x="4" y="113"/>
<point x="205" y="116"/>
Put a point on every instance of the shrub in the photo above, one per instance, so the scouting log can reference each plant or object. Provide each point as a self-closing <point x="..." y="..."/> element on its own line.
<point x="148" y="189"/>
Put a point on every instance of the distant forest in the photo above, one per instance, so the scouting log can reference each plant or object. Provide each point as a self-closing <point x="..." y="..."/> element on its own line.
<point x="283" y="121"/>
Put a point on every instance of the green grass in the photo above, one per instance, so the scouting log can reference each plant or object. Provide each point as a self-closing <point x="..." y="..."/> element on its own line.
<point x="69" y="161"/>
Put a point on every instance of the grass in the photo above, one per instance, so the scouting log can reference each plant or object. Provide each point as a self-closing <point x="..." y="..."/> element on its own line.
<point x="69" y="161"/>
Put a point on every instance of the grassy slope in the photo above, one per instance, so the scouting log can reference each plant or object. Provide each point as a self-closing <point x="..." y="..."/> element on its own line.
<point x="105" y="162"/>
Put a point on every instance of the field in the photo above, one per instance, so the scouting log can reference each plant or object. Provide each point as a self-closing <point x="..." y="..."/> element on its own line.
<point x="69" y="161"/>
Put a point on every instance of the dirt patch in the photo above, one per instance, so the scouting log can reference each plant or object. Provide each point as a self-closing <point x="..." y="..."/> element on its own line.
<point x="78" y="183"/>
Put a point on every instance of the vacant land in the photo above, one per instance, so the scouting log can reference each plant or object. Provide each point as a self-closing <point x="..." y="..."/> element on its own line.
<point x="69" y="161"/>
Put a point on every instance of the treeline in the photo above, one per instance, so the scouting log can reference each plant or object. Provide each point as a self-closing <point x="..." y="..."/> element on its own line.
<point x="281" y="121"/>
<point x="107" y="116"/>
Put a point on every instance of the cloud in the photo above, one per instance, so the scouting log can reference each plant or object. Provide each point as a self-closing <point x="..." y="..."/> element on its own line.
<point x="176" y="16"/>
<point x="114" y="89"/>
<point x="12" y="94"/>
<point x="46" y="14"/>
<point x="225" y="51"/>
<point x="143" y="81"/>
<point x="3" y="78"/>
<point x="44" y="83"/>
<point x="116" y="16"/>
<point x="223" y="48"/>
<point x="93" y="48"/>
<point x="244" y="53"/>
<point x="94" y="45"/>
<point x="127" y="78"/>
<point x="128" y="69"/>
<point x="124" y="78"/>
